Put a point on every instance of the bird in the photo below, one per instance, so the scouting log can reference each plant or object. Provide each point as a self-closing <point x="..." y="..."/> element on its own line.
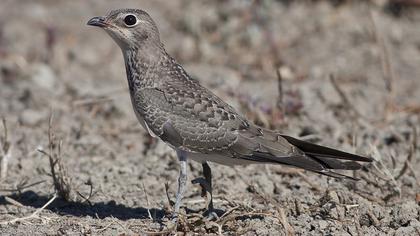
<point x="197" y="124"/>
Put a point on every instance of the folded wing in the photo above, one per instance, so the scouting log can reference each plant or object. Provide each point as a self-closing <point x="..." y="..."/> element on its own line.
<point x="271" y="147"/>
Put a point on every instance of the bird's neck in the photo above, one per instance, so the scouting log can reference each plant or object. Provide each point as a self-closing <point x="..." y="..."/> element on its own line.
<point x="143" y="66"/>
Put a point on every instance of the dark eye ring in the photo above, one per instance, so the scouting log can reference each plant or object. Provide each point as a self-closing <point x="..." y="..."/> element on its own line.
<point x="130" y="20"/>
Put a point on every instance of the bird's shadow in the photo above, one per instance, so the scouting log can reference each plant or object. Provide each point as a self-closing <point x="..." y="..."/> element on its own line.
<point x="99" y="210"/>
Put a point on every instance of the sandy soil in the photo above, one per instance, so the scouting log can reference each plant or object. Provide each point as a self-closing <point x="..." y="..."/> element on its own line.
<point x="52" y="63"/>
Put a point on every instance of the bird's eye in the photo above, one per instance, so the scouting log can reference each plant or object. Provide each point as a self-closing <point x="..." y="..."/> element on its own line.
<point x="130" y="20"/>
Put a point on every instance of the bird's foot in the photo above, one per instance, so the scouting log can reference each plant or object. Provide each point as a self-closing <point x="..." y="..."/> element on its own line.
<point x="174" y="218"/>
<point x="206" y="191"/>
<point x="172" y="224"/>
<point x="211" y="215"/>
<point x="177" y="218"/>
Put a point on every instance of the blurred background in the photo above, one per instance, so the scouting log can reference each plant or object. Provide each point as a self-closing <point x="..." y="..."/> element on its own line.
<point x="340" y="73"/>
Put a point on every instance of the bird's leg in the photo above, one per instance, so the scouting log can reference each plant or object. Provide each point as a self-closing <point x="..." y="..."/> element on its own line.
<point x="206" y="185"/>
<point x="182" y="182"/>
<point x="207" y="175"/>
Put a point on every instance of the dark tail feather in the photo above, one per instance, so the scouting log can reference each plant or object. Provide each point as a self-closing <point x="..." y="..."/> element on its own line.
<point x="309" y="163"/>
<point x="336" y="175"/>
<point x="316" y="158"/>
<point x="277" y="149"/>
<point x="325" y="154"/>
<point x="330" y="163"/>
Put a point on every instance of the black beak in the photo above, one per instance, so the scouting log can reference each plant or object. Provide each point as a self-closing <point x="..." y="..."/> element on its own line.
<point x="97" y="21"/>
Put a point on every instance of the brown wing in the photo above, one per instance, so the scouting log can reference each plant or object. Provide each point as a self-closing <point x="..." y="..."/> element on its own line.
<point x="193" y="119"/>
<point x="189" y="117"/>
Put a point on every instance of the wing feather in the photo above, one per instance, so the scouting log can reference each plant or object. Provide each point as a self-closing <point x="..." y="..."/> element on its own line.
<point x="194" y="119"/>
<point x="206" y="125"/>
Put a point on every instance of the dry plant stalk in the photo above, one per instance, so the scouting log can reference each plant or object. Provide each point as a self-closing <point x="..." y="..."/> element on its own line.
<point x="6" y="151"/>
<point x="61" y="179"/>
<point x="383" y="170"/>
<point x="411" y="154"/>
<point x="280" y="98"/>
<point x="35" y="214"/>
<point x="344" y="98"/>
<point x="283" y="219"/>
<point x="387" y="69"/>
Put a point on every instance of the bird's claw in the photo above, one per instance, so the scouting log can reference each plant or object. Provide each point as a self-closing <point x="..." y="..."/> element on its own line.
<point x="211" y="215"/>
<point x="174" y="218"/>
<point x="206" y="191"/>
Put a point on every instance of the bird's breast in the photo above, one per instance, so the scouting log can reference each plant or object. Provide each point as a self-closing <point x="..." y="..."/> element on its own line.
<point x="140" y="118"/>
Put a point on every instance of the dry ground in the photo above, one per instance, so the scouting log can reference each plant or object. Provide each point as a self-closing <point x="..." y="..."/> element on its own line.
<point x="52" y="63"/>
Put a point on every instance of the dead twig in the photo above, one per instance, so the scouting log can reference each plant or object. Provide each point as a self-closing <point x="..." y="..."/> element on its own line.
<point x="115" y="221"/>
<point x="6" y="151"/>
<point x="128" y="231"/>
<point x="371" y="198"/>
<point x="86" y="199"/>
<point x="148" y="203"/>
<point x="344" y="98"/>
<point x="33" y="215"/>
<point x="411" y="153"/>
<point x="61" y="180"/>
<point x="373" y="217"/>
<point x="218" y="226"/>
<point x="106" y="227"/>
<point x="283" y="220"/>
<point x="13" y="201"/>
<point x="280" y="98"/>
<point x="298" y="207"/>
<point x="381" y="168"/>
<point x="229" y="211"/>
<point x="387" y="69"/>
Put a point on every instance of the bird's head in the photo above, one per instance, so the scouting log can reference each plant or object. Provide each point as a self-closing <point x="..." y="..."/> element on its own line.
<point x="130" y="28"/>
